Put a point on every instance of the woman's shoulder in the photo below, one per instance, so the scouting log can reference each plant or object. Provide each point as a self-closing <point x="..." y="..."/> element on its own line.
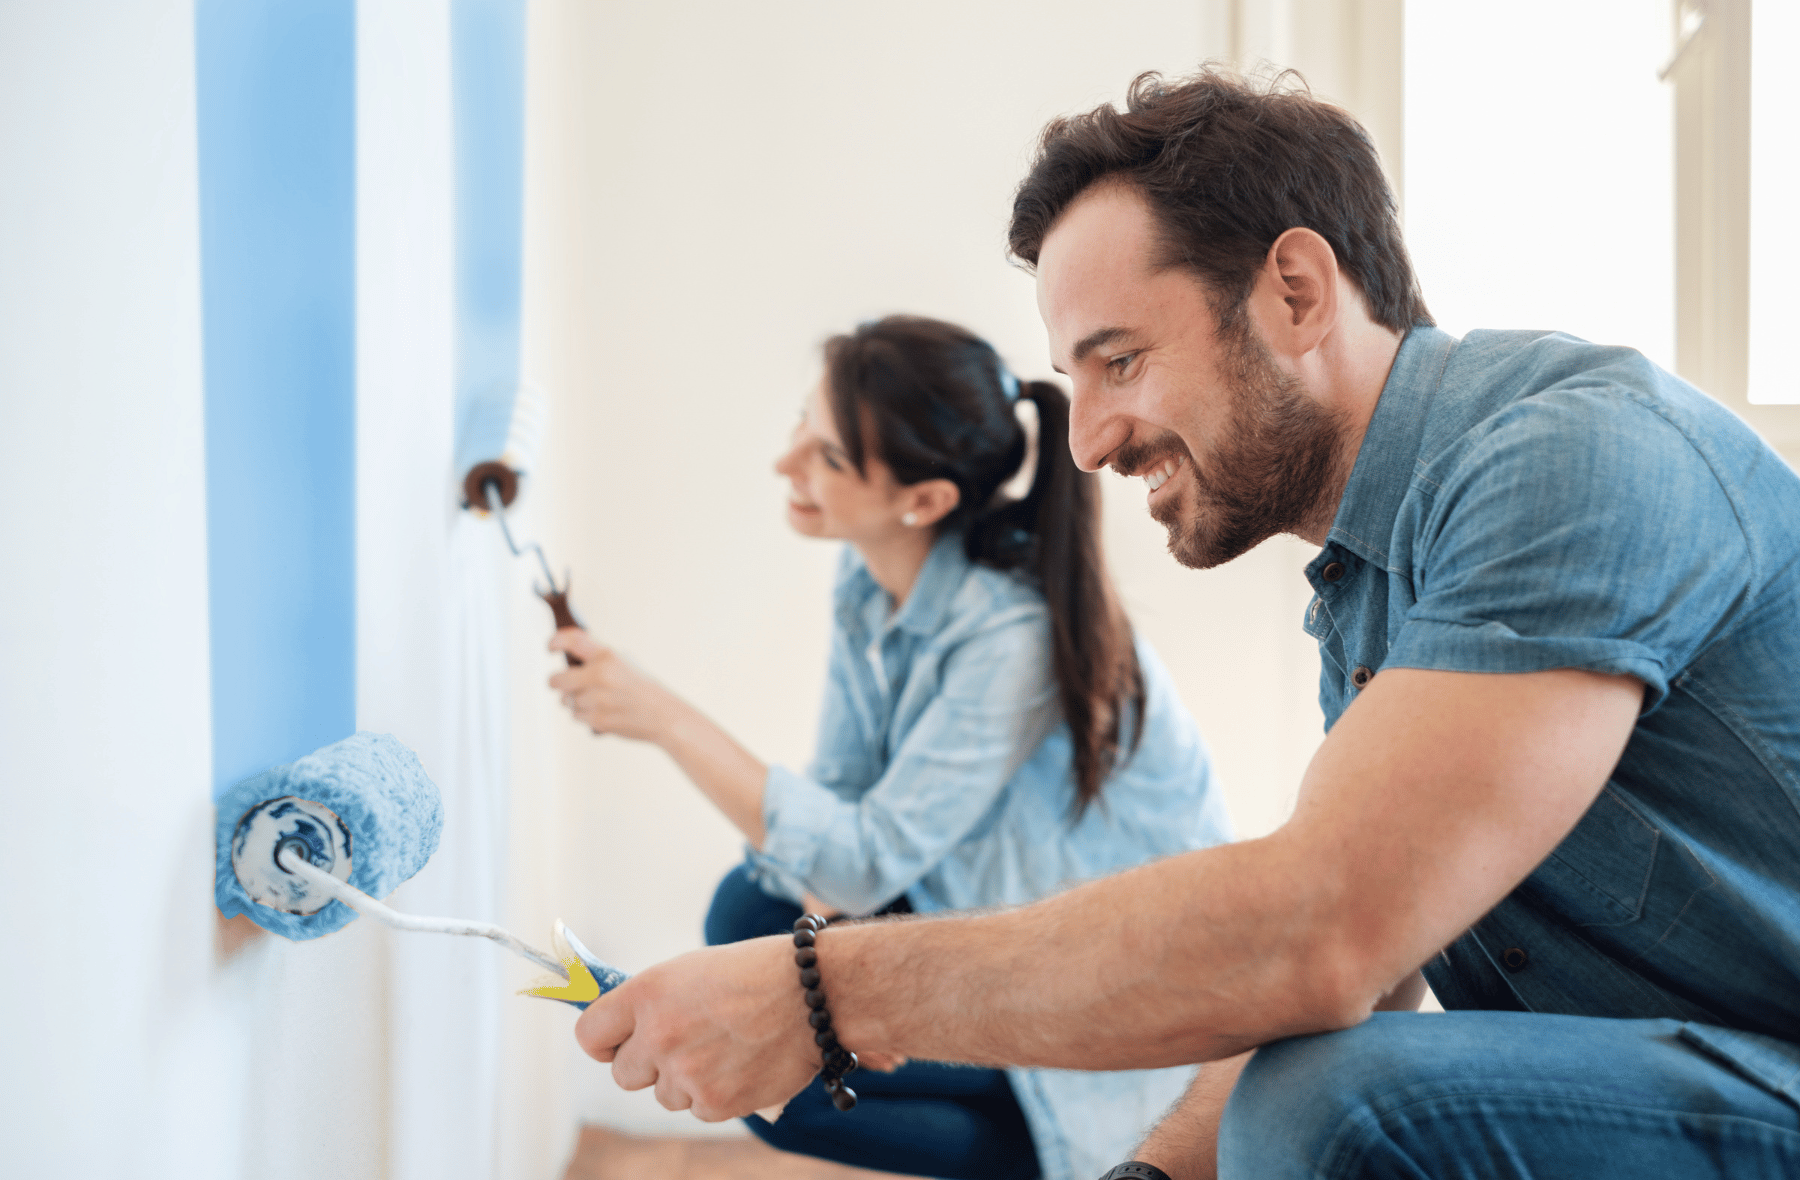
<point x="990" y="597"/>
<point x="851" y="570"/>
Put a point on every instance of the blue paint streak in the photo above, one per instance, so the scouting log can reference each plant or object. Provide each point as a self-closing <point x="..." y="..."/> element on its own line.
<point x="488" y="81"/>
<point x="277" y="130"/>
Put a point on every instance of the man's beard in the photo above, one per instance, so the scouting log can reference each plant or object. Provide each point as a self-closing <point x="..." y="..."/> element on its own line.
<point x="1273" y="470"/>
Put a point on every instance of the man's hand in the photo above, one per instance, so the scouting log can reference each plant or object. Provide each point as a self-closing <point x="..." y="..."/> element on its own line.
<point x="721" y="1032"/>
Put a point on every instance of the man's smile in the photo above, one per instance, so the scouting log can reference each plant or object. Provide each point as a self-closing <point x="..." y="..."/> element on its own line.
<point x="1162" y="473"/>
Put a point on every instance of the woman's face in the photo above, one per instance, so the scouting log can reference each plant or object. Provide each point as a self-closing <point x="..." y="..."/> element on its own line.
<point x="826" y="497"/>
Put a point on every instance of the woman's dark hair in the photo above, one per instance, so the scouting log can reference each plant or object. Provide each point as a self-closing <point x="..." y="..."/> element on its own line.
<point x="1228" y="167"/>
<point x="931" y="400"/>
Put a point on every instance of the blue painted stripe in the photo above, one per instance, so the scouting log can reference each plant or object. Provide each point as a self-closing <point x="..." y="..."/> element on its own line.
<point x="277" y="131"/>
<point x="488" y="79"/>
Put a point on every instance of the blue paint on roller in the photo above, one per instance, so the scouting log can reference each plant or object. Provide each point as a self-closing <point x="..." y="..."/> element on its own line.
<point x="379" y="792"/>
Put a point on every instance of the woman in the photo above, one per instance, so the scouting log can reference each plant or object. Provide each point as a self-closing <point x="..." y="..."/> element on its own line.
<point x="991" y="732"/>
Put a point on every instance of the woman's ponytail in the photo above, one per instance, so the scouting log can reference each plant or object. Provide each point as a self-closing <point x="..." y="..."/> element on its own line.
<point x="1102" y="687"/>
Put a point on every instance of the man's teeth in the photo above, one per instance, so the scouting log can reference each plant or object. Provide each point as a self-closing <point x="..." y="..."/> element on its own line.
<point x="1161" y="475"/>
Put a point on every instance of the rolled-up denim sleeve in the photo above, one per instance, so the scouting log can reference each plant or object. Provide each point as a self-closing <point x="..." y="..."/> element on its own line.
<point x="996" y="700"/>
<point x="1583" y="530"/>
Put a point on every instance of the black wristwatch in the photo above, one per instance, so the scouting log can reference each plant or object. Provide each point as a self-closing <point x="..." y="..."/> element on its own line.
<point x="1136" y="1170"/>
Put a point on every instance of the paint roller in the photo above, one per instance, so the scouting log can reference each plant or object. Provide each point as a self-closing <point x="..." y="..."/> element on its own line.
<point x="498" y="436"/>
<point x="304" y="847"/>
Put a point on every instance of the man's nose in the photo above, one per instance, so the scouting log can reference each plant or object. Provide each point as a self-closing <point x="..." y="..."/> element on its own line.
<point x="1094" y="434"/>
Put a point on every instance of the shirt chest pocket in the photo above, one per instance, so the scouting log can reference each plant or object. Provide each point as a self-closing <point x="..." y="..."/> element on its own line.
<point x="1618" y="878"/>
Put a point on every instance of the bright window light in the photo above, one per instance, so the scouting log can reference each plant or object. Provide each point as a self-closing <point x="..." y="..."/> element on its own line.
<point x="1774" y="199"/>
<point x="1538" y="183"/>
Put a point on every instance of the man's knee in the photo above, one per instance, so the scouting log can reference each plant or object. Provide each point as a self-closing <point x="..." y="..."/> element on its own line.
<point x="1297" y="1098"/>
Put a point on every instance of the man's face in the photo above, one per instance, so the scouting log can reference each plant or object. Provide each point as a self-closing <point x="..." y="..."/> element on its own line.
<point x="1232" y="448"/>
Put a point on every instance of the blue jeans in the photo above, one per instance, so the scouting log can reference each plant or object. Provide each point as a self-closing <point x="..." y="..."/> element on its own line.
<point x="1499" y="1095"/>
<point x="925" y="1119"/>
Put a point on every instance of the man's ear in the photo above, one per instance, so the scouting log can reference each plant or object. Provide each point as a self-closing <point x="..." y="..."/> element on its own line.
<point x="1295" y="299"/>
<point x="930" y="501"/>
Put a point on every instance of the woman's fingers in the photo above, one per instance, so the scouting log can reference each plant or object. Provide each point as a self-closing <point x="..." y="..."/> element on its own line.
<point x="599" y="666"/>
<point x="578" y="643"/>
<point x="606" y="692"/>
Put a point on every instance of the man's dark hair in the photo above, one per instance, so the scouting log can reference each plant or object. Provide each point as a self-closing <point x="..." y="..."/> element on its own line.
<point x="1227" y="167"/>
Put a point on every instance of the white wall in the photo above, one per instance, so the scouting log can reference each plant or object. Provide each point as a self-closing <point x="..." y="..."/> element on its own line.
<point x="121" y="1037"/>
<point x="715" y="188"/>
<point x="138" y="1039"/>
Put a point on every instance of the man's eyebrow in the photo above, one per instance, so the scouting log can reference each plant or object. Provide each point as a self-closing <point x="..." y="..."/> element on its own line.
<point x="1092" y="341"/>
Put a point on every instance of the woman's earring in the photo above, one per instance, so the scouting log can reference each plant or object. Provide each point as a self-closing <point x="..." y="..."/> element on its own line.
<point x="910" y="519"/>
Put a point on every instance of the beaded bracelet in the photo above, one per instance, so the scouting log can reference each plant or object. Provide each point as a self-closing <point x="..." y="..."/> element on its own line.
<point x="836" y="1061"/>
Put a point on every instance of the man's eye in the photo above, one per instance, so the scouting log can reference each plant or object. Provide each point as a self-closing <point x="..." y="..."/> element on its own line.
<point x="1119" y="364"/>
<point x="831" y="460"/>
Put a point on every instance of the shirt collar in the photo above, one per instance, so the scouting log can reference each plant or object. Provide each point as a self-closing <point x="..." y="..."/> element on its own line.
<point x="1390" y="447"/>
<point x="938" y="581"/>
<point x="932" y="592"/>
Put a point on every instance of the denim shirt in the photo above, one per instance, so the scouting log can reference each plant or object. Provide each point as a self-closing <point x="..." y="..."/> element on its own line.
<point x="1525" y="501"/>
<point x="943" y="773"/>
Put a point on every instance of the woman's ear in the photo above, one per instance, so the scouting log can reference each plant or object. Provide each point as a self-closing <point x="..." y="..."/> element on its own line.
<point x="929" y="502"/>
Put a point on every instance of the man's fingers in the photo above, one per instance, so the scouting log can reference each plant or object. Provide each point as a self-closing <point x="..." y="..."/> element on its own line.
<point x="606" y="1025"/>
<point x="634" y="1067"/>
<point x="629" y="1073"/>
<point x="671" y="1096"/>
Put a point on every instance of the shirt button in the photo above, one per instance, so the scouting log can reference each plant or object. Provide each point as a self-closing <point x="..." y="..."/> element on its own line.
<point x="1361" y="676"/>
<point x="1333" y="571"/>
<point x="1514" y="958"/>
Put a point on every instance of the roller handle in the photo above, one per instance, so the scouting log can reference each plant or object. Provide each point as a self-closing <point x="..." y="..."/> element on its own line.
<point x="559" y="607"/>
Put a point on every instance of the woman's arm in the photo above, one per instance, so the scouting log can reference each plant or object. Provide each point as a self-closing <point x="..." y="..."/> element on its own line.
<point x="609" y="695"/>
<point x="982" y="708"/>
<point x="853" y="854"/>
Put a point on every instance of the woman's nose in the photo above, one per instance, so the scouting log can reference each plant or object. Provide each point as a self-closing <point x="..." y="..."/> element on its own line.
<point x="784" y="462"/>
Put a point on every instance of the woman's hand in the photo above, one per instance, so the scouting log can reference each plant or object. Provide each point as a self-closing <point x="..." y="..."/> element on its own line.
<point x="606" y="693"/>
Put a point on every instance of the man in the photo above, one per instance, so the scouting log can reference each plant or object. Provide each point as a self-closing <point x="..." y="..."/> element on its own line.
<point x="1558" y="600"/>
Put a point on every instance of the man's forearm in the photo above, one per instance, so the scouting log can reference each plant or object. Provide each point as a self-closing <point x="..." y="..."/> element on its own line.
<point x="1409" y="826"/>
<point x="1203" y="956"/>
